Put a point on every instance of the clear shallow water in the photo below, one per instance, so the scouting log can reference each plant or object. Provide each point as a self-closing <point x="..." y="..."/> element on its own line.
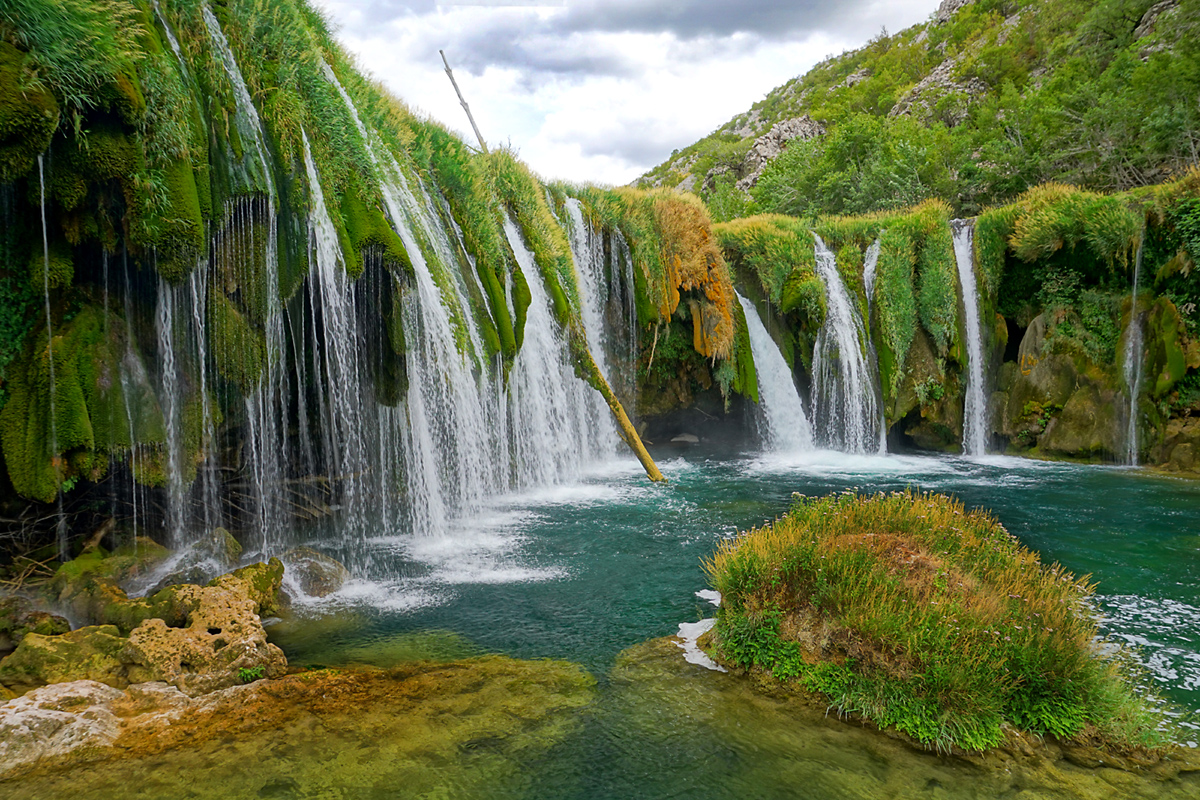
<point x="584" y="571"/>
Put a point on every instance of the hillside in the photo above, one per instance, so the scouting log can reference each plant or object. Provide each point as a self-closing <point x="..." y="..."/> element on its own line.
<point x="983" y="101"/>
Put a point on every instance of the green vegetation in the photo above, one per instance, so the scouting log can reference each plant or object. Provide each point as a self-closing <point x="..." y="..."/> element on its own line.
<point x="923" y="617"/>
<point x="1004" y="95"/>
<point x="251" y="674"/>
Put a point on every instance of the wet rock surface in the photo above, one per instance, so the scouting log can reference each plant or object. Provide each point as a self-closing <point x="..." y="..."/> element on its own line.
<point x="466" y="728"/>
<point x="198" y="639"/>
<point x="316" y="574"/>
<point x="773" y="740"/>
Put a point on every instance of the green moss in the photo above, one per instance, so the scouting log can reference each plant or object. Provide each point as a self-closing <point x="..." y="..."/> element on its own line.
<point x="1167" y="340"/>
<point x="54" y="267"/>
<point x="745" y="376"/>
<point x="367" y="227"/>
<point x="29" y="115"/>
<point x="895" y="306"/>
<point x="937" y="286"/>
<point x="239" y="351"/>
<point x="915" y="613"/>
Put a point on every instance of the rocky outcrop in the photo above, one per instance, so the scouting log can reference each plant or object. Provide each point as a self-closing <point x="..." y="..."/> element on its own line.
<point x="198" y="639"/>
<point x="772" y="143"/>
<point x="1179" y="449"/>
<point x="315" y="574"/>
<point x="947" y="8"/>
<point x="925" y="99"/>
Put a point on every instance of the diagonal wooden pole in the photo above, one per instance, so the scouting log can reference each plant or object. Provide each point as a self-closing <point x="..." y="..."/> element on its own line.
<point x="467" y="108"/>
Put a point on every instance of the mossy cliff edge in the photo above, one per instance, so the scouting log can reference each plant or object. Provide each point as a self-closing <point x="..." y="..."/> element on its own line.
<point x="150" y="148"/>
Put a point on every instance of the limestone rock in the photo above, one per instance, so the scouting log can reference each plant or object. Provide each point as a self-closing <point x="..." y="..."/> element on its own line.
<point x="947" y="8"/>
<point x="1088" y="427"/>
<point x="316" y="574"/>
<point x="924" y="98"/>
<point x="1179" y="450"/>
<point x="67" y="718"/>
<point x="772" y="143"/>
<point x="86" y="654"/>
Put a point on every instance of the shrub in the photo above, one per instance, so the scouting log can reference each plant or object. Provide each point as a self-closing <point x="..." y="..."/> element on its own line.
<point x="910" y="611"/>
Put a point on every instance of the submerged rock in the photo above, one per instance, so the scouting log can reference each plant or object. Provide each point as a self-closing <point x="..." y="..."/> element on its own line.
<point x="316" y="574"/>
<point x="463" y="728"/>
<point x="759" y="738"/>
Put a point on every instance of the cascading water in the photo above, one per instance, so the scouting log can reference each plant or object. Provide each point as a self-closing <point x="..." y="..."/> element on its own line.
<point x="784" y="425"/>
<point x="588" y="248"/>
<point x="846" y="408"/>
<point x="61" y="524"/>
<point x="975" y="417"/>
<point x="169" y="401"/>
<point x="559" y="424"/>
<point x="266" y="407"/>
<point x="870" y="262"/>
<point x="1132" y="362"/>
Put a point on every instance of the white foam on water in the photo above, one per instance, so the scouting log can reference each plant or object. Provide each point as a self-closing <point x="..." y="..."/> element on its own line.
<point x="1163" y="635"/>
<point x="711" y="595"/>
<point x="689" y="632"/>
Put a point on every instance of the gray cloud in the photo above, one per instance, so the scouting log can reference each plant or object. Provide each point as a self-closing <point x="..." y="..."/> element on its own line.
<point x="515" y="34"/>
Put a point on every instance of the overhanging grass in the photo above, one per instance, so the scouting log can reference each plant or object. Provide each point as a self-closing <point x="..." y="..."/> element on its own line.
<point x="921" y="616"/>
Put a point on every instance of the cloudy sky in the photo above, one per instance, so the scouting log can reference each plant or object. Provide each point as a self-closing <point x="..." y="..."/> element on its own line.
<point x="601" y="90"/>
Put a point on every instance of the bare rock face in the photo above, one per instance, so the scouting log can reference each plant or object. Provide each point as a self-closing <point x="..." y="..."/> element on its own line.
<point x="925" y="98"/>
<point x="772" y="143"/>
<point x="51" y="722"/>
<point x="316" y="574"/>
<point x="947" y="8"/>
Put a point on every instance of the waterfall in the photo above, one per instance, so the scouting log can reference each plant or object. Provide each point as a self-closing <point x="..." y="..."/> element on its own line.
<point x="61" y="524"/>
<point x="171" y="39"/>
<point x="846" y="409"/>
<point x="783" y="424"/>
<point x="559" y="423"/>
<point x="1132" y="361"/>
<point x="266" y="408"/>
<point x="870" y="262"/>
<point x="975" y="416"/>
<point x="169" y="402"/>
<point x="588" y="248"/>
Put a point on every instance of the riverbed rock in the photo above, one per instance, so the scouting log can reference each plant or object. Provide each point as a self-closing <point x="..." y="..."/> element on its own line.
<point x="463" y="728"/>
<point x="785" y="742"/>
<point x="72" y="720"/>
<point x="316" y="574"/>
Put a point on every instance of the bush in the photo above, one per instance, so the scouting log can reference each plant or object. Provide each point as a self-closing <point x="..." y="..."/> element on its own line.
<point x="914" y="613"/>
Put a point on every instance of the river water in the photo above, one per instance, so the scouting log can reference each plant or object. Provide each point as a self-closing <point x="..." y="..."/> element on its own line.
<point x="585" y="571"/>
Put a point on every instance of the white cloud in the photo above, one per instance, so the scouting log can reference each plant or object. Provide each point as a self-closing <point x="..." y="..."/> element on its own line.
<point x="600" y="91"/>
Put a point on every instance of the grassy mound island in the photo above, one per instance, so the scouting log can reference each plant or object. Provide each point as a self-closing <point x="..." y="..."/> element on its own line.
<point x="918" y="615"/>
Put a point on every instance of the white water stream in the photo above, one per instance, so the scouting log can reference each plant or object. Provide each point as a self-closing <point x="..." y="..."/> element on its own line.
<point x="846" y="407"/>
<point x="975" y="416"/>
<point x="1132" y="363"/>
<point x="784" y="427"/>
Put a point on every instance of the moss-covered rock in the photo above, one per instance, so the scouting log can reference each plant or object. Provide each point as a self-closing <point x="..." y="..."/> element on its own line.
<point x="1089" y="425"/>
<point x="91" y="653"/>
<point x="29" y="115"/>
<point x="316" y="574"/>
<point x="19" y="616"/>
